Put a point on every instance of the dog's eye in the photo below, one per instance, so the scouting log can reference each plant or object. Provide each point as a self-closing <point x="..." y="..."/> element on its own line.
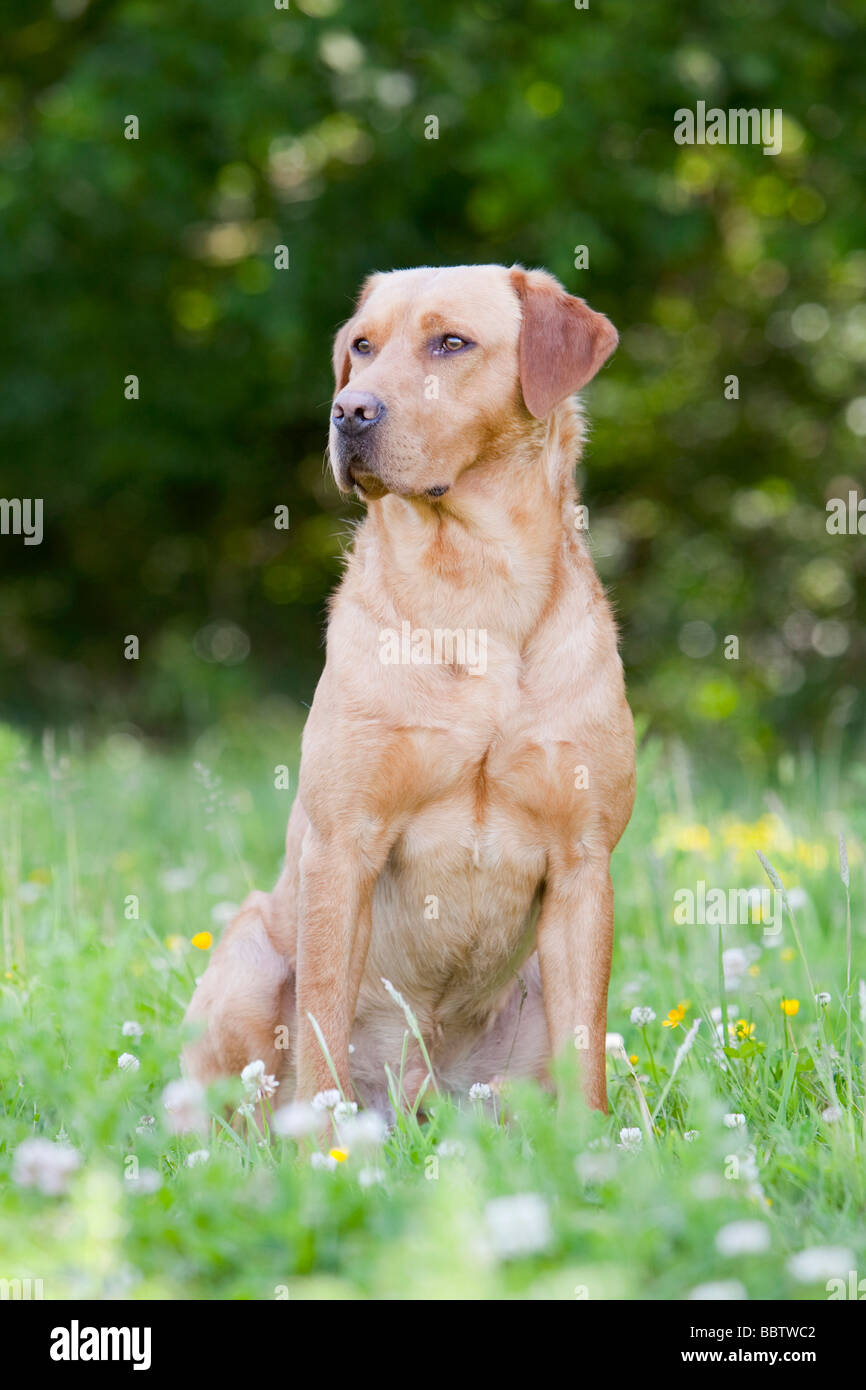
<point x="452" y="342"/>
<point x="362" y="345"/>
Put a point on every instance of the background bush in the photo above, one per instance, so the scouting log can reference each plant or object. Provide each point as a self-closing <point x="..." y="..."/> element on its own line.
<point x="306" y="127"/>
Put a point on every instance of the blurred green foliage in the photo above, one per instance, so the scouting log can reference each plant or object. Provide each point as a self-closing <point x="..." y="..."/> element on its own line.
<point x="306" y="127"/>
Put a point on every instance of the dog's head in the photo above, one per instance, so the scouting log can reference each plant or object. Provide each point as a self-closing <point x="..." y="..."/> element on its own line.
<point x="436" y="367"/>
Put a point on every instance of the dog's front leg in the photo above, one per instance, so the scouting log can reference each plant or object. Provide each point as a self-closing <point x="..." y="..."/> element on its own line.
<point x="337" y="880"/>
<point x="575" y="941"/>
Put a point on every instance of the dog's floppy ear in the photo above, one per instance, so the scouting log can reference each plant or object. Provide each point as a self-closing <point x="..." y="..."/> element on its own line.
<point x="342" y="362"/>
<point x="562" y="341"/>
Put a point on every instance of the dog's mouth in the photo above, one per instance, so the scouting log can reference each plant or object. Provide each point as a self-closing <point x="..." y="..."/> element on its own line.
<point x="366" y="485"/>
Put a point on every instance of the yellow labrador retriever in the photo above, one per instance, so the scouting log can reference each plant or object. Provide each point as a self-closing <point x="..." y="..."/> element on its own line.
<point x="468" y="763"/>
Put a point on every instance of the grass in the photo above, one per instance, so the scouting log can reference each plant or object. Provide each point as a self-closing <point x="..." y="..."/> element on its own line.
<point x="115" y="857"/>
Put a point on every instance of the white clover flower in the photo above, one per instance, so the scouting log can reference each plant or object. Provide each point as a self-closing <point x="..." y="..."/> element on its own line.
<point x="728" y="1290"/>
<point x="691" y="1135"/>
<point x="199" y="1156"/>
<point x="480" y="1091"/>
<point x="184" y="1102"/>
<point x="641" y="1015"/>
<point x="716" y="1012"/>
<point x="323" y="1161"/>
<point x="44" y="1165"/>
<point x="326" y="1100"/>
<point x="131" y="1029"/>
<point x="734" y="966"/>
<point x="344" y="1108"/>
<point x="735" y="1121"/>
<point x="295" y="1120"/>
<point x="147" y="1182"/>
<point x="595" y="1167"/>
<point x="630" y="1139"/>
<point x="365" y="1131"/>
<point x="832" y="1114"/>
<point x="370" y="1177"/>
<point x="743" y="1238"/>
<point x="518" y="1225"/>
<point x="177" y="880"/>
<point x="451" y="1148"/>
<point x="614" y="1043"/>
<point x="128" y="1062"/>
<point x="221" y="913"/>
<point x="259" y="1085"/>
<point x="823" y="998"/>
<point x="819" y="1263"/>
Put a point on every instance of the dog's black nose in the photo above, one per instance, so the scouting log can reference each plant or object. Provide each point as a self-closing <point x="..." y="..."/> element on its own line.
<point x="354" y="411"/>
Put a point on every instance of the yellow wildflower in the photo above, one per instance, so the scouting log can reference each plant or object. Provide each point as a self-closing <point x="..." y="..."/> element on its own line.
<point x="787" y="954"/>
<point x="790" y="1007"/>
<point x="339" y="1155"/>
<point x="203" y="940"/>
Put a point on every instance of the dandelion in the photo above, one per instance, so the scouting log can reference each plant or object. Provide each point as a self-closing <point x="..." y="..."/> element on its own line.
<point x="642" y="1015"/>
<point x="259" y="1085"/>
<point x="614" y="1043"/>
<point x="790" y="1007"/>
<point x="127" y="1062"/>
<point x="326" y="1100"/>
<point x="734" y="1121"/>
<point x="727" y="1290"/>
<point x="691" y="1135"/>
<point x="326" y="1161"/>
<point x="832" y="1114"/>
<point x="197" y="1157"/>
<point x="44" y="1165"/>
<point x="480" y="1091"/>
<point x="295" y="1120"/>
<point x="203" y="940"/>
<point x="819" y="1263"/>
<point x="131" y="1030"/>
<point x="743" y="1238"/>
<point x="630" y="1139"/>
<point x="518" y="1225"/>
<point x="344" y="1108"/>
<point x="822" y="998"/>
<point x="184" y="1102"/>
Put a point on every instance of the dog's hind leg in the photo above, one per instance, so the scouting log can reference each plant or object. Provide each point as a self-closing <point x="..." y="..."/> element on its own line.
<point x="244" y="1002"/>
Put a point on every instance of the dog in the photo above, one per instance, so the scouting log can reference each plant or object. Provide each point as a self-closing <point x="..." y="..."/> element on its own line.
<point x="455" y="816"/>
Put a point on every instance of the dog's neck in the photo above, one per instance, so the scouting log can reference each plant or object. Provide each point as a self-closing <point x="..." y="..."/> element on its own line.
<point x="491" y="552"/>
